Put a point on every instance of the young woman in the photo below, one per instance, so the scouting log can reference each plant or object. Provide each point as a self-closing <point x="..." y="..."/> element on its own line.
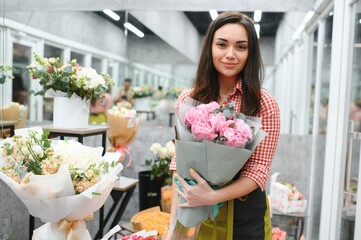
<point x="230" y="69"/>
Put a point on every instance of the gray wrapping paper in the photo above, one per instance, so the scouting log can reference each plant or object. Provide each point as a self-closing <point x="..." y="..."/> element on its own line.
<point x="216" y="163"/>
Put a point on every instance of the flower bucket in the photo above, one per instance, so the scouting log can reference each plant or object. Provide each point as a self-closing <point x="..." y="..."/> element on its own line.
<point x="142" y="104"/>
<point x="71" y="112"/>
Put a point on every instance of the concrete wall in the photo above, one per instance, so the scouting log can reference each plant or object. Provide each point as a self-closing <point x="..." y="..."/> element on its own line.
<point x="83" y="27"/>
<point x="288" y="25"/>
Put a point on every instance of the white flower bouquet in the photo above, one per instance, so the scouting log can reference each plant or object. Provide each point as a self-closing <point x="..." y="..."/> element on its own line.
<point x="68" y="80"/>
<point x="61" y="182"/>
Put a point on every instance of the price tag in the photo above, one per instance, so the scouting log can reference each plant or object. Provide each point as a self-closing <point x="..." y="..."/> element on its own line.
<point x="131" y="122"/>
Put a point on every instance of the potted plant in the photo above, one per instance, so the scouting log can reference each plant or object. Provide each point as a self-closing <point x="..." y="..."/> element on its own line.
<point x="72" y="87"/>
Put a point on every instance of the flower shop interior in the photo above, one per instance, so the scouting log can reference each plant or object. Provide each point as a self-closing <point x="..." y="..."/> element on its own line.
<point x="311" y="50"/>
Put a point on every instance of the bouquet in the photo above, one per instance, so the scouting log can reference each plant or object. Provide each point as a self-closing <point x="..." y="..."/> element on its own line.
<point x="278" y="234"/>
<point x="60" y="182"/>
<point x="67" y="80"/>
<point x="205" y="135"/>
<point x="174" y="92"/>
<point x="160" y="163"/>
<point x="141" y="235"/>
<point x="143" y="91"/>
<point x="123" y="126"/>
<point x="285" y="197"/>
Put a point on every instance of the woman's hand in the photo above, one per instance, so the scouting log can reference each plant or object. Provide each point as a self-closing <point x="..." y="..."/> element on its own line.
<point x="198" y="195"/>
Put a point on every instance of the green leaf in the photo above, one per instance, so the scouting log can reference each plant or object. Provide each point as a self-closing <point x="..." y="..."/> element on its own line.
<point x="2" y="79"/>
<point x="240" y="116"/>
<point x="227" y="113"/>
<point x="216" y="111"/>
<point x="68" y="69"/>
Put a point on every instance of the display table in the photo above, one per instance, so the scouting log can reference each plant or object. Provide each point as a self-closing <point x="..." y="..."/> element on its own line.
<point x="80" y="133"/>
<point x="148" y="112"/>
<point x="171" y="115"/>
<point x="121" y="186"/>
<point x="8" y="125"/>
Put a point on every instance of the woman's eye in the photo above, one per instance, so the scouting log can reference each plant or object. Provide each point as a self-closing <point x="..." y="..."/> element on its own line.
<point x="242" y="47"/>
<point x="221" y="44"/>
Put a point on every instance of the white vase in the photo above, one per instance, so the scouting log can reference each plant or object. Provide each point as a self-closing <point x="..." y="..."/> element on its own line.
<point x="71" y="112"/>
<point x="142" y="104"/>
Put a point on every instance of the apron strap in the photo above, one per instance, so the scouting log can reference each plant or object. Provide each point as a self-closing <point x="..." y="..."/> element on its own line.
<point x="230" y="217"/>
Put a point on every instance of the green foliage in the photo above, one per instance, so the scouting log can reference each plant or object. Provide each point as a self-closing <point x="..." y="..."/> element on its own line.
<point x="4" y="75"/>
<point x="159" y="167"/>
<point x="52" y="74"/>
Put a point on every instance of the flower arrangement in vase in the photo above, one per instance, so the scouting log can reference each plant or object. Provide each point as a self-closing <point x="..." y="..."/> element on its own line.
<point x="72" y="87"/>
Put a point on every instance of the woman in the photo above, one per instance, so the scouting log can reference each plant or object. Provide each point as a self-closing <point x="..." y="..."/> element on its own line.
<point x="230" y="69"/>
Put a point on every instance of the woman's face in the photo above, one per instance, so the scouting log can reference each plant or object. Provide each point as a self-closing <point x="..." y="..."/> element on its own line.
<point x="230" y="50"/>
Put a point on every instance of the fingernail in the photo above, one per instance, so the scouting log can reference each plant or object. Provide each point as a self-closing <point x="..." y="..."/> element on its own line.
<point x="191" y="170"/>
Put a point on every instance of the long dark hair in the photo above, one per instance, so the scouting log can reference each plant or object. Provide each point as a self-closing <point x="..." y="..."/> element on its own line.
<point x="206" y="85"/>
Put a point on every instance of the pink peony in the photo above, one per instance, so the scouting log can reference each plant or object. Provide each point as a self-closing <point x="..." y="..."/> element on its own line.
<point x="234" y="138"/>
<point x="218" y="121"/>
<point x="196" y="113"/>
<point x="202" y="128"/>
<point x="243" y="128"/>
<point x="211" y="106"/>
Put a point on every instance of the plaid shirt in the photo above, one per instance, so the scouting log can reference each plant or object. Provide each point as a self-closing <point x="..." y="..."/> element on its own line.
<point x="258" y="165"/>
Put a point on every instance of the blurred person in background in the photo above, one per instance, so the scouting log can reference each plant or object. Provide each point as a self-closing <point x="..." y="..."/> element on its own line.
<point x="125" y="93"/>
<point x="19" y="92"/>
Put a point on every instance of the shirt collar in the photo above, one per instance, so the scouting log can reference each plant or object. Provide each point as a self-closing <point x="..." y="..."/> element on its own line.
<point x="237" y="88"/>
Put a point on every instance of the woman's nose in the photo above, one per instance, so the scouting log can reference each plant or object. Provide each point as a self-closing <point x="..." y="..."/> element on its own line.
<point x="230" y="53"/>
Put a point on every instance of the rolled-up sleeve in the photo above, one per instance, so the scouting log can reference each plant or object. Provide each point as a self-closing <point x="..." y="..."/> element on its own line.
<point x="258" y="166"/>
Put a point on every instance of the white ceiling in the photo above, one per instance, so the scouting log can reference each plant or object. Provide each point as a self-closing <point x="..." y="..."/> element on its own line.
<point x="162" y="5"/>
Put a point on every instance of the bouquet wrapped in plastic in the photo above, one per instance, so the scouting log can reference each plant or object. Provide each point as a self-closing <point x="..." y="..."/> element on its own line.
<point x="60" y="182"/>
<point x="207" y="136"/>
<point x="123" y="126"/>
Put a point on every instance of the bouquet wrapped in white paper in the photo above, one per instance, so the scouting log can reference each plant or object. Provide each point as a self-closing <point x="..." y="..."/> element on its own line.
<point x="209" y="136"/>
<point x="60" y="182"/>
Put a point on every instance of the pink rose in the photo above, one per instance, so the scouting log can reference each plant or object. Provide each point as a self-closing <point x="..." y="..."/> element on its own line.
<point x="202" y="128"/>
<point x="195" y="113"/>
<point x="234" y="138"/>
<point x="243" y="128"/>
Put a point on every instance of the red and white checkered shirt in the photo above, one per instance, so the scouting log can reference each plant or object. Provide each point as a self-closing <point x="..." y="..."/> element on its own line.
<point x="258" y="165"/>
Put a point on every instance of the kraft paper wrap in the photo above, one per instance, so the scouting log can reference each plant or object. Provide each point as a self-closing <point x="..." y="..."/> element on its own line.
<point x="122" y="131"/>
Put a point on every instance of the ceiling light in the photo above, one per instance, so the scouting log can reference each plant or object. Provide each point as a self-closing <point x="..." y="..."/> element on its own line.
<point x="257" y="15"/>
<point x="213" y="13"/>
<point x="257" y="27"/>
<point x="359" y="21"/>
<point x="111" y="14"/>
<point x="135" y="30"/>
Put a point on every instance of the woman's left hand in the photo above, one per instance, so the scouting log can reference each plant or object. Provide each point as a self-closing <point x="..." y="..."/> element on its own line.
<point x="198" y="195"/>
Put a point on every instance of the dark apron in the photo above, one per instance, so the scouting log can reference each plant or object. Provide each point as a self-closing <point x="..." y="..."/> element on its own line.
<point x="246" y="218"/>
